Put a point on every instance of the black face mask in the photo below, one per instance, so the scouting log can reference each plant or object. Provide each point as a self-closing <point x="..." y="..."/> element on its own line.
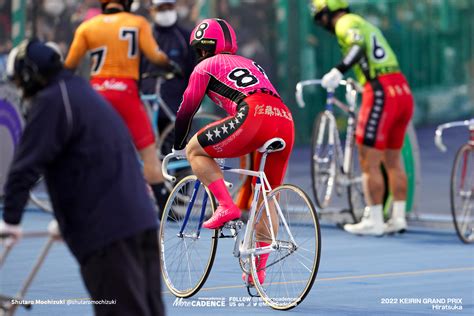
<point x="199" y="56"/>
<point x="199" y="49"/>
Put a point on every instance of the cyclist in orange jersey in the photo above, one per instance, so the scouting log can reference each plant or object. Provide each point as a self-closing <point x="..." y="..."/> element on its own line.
<point x="114" y="41"/>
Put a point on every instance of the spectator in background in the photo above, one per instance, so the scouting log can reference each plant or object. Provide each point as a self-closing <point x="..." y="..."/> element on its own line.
<point x="174" y="41"/>
<point x="140" y="7"/>
<point x="54" y="23"/>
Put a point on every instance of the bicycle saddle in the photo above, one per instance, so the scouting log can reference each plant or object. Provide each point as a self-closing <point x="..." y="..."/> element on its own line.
<point x="273" y="145"/>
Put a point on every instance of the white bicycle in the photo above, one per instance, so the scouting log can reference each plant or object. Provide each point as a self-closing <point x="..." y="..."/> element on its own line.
<point x="285" y="217"/>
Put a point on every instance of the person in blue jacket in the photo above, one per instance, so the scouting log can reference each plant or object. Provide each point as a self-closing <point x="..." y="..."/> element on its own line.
<point x="76" y="140"/>
<point x="174" y="41"/>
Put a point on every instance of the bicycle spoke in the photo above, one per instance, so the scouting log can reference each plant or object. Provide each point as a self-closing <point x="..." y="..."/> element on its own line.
<point x="303" y="264"/>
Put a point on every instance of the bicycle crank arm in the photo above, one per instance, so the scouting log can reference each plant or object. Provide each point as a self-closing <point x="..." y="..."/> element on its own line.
<point x="234" y="227"/>
<point x="193" y="236"/>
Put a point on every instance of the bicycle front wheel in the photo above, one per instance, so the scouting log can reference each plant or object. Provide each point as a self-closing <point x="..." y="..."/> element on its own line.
<point x="293" y="264"/>
<point x="462" y="193"/>
<point x="323" y="161"/>
<point x="187" y="250"/>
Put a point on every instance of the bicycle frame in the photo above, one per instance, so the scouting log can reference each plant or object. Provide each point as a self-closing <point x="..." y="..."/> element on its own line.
<point x="352" y="90"/>
<point x="262" y="186"/>
<point x="156" y="103"/>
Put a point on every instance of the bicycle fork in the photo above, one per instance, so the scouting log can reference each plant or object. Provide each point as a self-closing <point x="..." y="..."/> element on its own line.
<point x="181" y="234"/>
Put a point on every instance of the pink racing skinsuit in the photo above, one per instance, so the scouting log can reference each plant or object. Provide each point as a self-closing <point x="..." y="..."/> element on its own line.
<point x="256" y="112"/>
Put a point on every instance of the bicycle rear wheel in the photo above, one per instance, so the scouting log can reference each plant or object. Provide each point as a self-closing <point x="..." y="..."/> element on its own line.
<point x="355" y="189"/>
<point x="293" y="264"/>
<point x="323" y="161"/>
<point x="462" y="193"/>
<point x="187" y="251"/>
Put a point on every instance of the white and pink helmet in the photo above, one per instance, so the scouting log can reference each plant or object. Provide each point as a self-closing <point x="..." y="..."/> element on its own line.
<point x="215" y="36"/>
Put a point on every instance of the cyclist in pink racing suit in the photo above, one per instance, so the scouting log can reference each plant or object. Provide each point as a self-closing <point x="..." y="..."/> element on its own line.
<point x="256" y="114"/>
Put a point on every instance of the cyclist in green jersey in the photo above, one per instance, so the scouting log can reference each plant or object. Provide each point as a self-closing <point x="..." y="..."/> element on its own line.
<point x="387" y="107"/>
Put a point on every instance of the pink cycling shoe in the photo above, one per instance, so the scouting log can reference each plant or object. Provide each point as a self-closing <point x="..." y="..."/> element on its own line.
<point x="221" y="216"/>
<point x="261" y="262"/>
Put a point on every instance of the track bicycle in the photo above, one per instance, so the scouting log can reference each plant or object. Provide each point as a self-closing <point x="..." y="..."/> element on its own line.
<point x="462" y="181"/>
<point x="334" y="167"/>
<point x="284" y="216"/>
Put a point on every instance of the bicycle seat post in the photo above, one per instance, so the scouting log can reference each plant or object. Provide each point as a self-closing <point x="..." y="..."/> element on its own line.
<point x="270" y="146"/>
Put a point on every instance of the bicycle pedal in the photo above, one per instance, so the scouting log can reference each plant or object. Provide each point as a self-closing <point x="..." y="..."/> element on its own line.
<point x="234" y="225"/>
<point x="224" y="236"/>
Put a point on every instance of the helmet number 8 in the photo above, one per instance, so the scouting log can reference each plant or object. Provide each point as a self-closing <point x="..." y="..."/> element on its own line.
<point x="242" y="77"/>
